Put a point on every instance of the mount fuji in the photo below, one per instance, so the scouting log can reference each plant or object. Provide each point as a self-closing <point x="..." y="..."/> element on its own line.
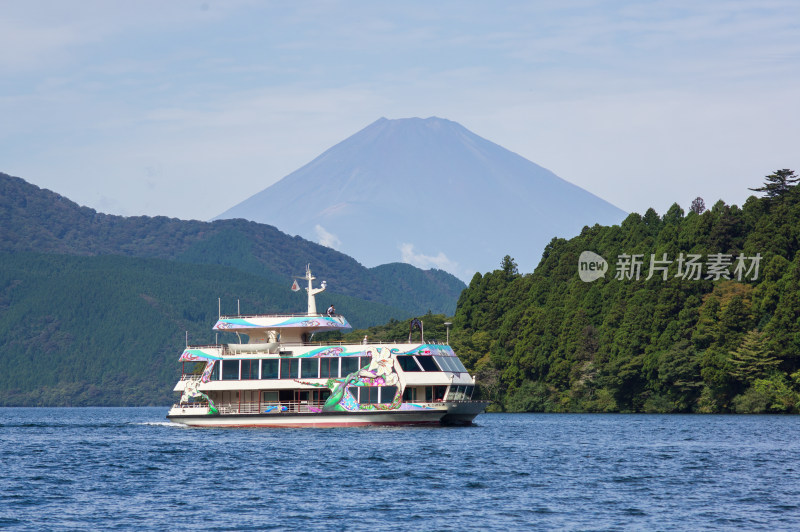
<point x="430" y="193"/>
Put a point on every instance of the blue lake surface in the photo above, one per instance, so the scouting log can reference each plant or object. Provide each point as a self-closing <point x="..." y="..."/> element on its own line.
<point x="68" y="468"/>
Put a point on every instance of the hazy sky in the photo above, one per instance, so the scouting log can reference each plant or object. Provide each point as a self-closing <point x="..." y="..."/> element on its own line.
<point x="185" y="108"/>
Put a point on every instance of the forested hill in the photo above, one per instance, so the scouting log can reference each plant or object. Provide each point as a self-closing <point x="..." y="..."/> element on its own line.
<point x="38" y="220"/>
<point x="549" y="341"/>
<point x="108" y="330"/>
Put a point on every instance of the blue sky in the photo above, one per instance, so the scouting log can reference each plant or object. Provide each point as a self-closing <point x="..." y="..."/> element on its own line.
<point x="185" y="108"/>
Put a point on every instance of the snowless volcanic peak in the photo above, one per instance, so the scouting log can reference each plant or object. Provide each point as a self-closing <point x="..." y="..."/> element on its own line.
<point x="428" y="192"/>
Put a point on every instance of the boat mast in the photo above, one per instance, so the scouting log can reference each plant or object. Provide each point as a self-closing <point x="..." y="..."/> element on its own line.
<point x="312" y="302"/>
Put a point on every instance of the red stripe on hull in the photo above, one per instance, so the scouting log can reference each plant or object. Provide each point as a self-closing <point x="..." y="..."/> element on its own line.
<point x="321" y="425"/>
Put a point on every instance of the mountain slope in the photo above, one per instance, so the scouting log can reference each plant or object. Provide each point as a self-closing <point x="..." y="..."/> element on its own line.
<point x="39" y="220"/>
<point x="428" y="192"/>
<point x="107" y="330"/>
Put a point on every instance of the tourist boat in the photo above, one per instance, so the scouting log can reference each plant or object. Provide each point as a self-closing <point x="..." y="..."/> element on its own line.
<point x="279" y="377"/>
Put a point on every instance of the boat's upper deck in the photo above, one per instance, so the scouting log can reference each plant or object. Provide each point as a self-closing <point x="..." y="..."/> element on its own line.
<point x="290" y="327"/>
<point x="311" y="349"/>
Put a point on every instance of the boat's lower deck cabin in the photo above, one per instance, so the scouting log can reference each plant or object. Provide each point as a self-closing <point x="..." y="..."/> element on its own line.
<point x="305" y="400"/>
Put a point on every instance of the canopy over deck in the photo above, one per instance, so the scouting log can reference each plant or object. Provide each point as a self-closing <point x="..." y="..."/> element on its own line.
<point x="243" y="324"/>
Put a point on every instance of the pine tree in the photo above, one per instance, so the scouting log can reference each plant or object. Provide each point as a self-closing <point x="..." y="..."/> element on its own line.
<point x="778" y="184"/>
<point x="751" y="360"/>
<point x="509" y="266"/>
<point x="698" y="205"/>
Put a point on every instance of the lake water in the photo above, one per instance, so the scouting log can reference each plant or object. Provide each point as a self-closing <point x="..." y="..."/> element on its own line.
<point x="68" y="468"/>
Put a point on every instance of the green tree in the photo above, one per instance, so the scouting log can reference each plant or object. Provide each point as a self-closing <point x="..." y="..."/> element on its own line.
<point x="751" y="360"/>
<point x="509" y="266"/>
<point x="768" y="395"/>
<point x="778" y="184"/>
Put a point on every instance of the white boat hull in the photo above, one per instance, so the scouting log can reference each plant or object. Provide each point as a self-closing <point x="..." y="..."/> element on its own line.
<point x="452" y="414"/>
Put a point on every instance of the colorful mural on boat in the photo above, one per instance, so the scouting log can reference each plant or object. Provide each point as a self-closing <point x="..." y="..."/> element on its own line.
<point x="380" y="372"/>
<point x="197" y="355"/>
<point x="325" y="352"/>
<point x="428" y="349"/>
<point x="191" y="394"/>
<point x="206" y="377"/>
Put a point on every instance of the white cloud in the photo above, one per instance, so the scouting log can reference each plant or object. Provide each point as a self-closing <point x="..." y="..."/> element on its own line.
<point x="425" y="262"/>
<point x="325" y="238"/>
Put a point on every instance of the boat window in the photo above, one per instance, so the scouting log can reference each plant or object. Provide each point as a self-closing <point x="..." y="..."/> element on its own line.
<point x="193" y="368"/>
<point x="215" y="370"/>
<point x="407" y="363"/>
<point x="427" y="363"/>
<point x="387" y="393"/>
<point x="456" y="362"/>
<point x="269" y="397"/>
<point x="443" y="363"/>
<point x="249" y="369"/>
<point x="410" y="394"/>
<point x="354" y="391"/>
<point x="309" y="369"/>
<point x="269" y="368"/>
<point x="456" y="393"/>
<point x="288" y="368"/>
<point x="349" y="365"/>
<point x="468" y="392"/>
<point x="365" y="362"/>
<point x="434" y="393"/>
<point x="452" y="364"/>
<point x="230" y="370"/>
<point x="329" y="367"/>
<point x="368" y="394"/>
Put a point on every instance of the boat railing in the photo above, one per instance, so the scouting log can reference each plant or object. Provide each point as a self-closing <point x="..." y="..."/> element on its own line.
<point x="200" y="404"/>
<point x="369" y="342"/>
<point x="205" y="346"/>
<point x="236" y="407"/>
<point x="303" y="315"/>
<point x="290" y="406"/>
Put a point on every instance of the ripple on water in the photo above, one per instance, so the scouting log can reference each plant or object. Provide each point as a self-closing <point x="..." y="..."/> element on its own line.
<point x="129" y="468"/>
